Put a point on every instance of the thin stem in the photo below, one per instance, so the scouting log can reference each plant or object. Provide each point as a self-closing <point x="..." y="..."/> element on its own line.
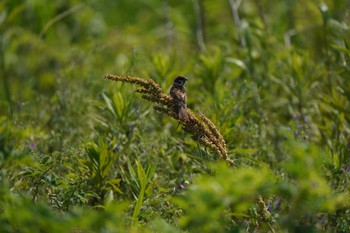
<point x="59" y="17"/>
<point x="261" y="12"/>
<point x="294" y="32"/>
<point x="168" y="24"/>
<point x="200" y="26"/>
<point x="4" y="75"/>
<point x="234" y="9"/>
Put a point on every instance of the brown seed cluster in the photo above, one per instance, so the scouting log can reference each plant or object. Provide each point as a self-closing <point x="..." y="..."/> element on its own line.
<point x="264" y="214"/>
<point x="204" y="131"/>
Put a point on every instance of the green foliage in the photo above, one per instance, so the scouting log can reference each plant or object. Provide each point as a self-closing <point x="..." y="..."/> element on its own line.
<point x="222" y="200"/>
<point x="212" y="202"/>
<point x="307" y="191"/>
<point x="99" y="164"/>
<point x="142" y="184"/>
<point x="81" y="154"/>
<point x="10" y="140"/>
<point x="19" y="214"/>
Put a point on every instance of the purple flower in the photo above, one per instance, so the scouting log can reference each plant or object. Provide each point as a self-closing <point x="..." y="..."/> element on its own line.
<point x="32" y="145"/>
<point x="180" y="187"/>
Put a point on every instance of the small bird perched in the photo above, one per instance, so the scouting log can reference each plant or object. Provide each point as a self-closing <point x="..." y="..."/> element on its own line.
<point x="178" y="92"/>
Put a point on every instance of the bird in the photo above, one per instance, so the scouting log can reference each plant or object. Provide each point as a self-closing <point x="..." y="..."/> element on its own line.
<point x="178" y="92"/>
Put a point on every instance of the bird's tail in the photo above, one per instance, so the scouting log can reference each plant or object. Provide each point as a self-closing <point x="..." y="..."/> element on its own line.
<point x="183" y="114"/>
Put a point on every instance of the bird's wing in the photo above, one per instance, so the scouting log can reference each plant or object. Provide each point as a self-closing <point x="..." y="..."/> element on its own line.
<point x="179" y="96"/>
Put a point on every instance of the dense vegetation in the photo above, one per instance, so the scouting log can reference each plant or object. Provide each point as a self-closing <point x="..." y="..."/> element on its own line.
<point x="80" y="153"/>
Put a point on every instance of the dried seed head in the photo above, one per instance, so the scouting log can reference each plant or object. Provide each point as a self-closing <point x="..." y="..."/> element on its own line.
<point x="204" y="131"/>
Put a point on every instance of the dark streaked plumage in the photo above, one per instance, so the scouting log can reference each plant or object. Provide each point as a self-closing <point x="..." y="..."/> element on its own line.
<point x="178" y="92"/>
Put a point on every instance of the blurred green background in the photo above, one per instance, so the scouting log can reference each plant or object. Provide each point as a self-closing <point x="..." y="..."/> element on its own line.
<point x="79" y="153"/>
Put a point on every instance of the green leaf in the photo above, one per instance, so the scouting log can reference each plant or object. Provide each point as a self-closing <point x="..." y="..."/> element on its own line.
<point x="109" y="104"/>
<point x="141" y="174"/>
<point x="237" y="62"/>
<point x="143" y="182"/>
<point x="113" y="183"/>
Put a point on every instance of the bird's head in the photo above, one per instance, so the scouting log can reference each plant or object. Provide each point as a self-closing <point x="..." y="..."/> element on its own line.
<point x="180" y="80"/>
